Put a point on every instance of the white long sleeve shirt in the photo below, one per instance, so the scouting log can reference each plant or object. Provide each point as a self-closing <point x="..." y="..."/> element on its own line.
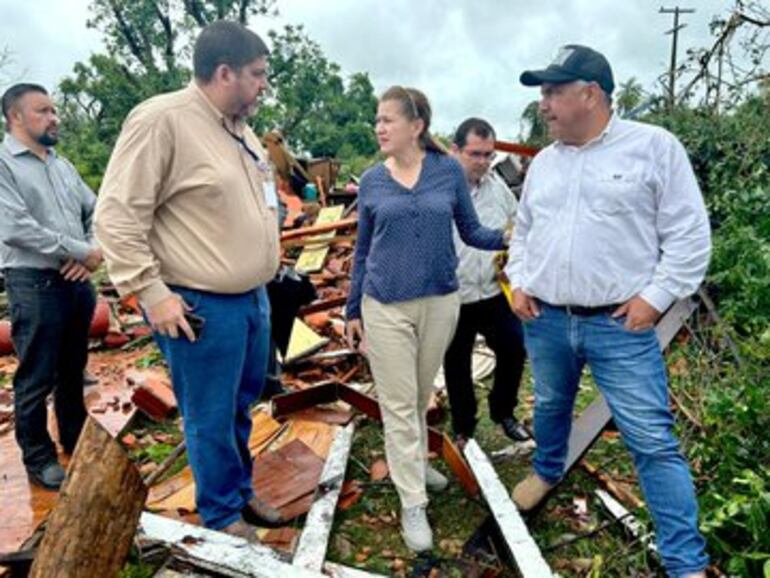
<point x="619" y="216"/>
<point x="495" y="206"/>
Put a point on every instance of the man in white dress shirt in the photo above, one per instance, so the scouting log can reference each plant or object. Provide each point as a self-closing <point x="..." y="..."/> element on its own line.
<point x="484" y="308"/>
<point x="611" y="229"/>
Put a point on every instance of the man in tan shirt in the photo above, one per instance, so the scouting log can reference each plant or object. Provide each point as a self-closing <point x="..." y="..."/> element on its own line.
<point x="186" y="221"/>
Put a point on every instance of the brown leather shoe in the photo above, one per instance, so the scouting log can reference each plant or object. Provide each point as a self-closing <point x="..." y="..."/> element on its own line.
<point x="241" y="529"/>
<point x="259" y="513"/>
<point x="528" y="492"/>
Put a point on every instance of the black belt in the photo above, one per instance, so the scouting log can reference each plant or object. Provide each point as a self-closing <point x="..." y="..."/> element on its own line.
<point x="582" y="311"/>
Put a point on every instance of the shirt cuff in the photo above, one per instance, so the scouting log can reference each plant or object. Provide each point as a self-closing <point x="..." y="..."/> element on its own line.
<point x="153" y="294"/>
<point x="79" y="250"/>
<point x="658" y="297"/>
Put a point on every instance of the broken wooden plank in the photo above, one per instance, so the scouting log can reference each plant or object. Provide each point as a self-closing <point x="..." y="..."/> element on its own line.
<point x="303" y="341"/>
<point x="525" y="552"/>
<point x="339" y="571"/>
<point x="286" y="478"/>
<point x="218" y="550"/>
<point x="318" y="229"/>
<point x="286" y="403"/>
<point x="312" y="257"/>
<point x="630" y="523"/>
<point x="314" y="540"/>
<point x="89" y="531"/>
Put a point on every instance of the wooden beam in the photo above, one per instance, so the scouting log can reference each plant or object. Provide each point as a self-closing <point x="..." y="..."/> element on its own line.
<point x="339" y="571"/>
<point x="314" y="540"/>
<point x="318" y="229"/>
<point x="286" y="403"/>
<point x="630" y="523"/>
<point x="218" y="550"/>
<point x="317" y="306"/>
<point x="89" y="531"/>
<point x="524" y="551"/>
<point x="515" y="148"/>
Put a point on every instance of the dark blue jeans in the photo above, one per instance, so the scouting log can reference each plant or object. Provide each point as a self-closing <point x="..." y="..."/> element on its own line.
<point x="629" y="371"/>
<point x="216" y="380"/>
<point x="50" y="320"/>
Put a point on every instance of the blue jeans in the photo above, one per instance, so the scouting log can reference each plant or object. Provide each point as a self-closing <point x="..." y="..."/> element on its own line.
<point x="629" y="371"/>
<point x="216" y="380"/>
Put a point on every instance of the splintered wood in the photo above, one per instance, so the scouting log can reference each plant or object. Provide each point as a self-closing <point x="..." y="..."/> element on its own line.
<point x="89" y="532"/>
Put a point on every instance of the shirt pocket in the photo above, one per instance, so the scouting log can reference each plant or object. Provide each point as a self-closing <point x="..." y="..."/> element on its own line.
<point x="616" y="193"/>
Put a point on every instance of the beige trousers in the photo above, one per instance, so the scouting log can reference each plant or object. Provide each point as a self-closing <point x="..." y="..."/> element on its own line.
<point x="405" y="344"/>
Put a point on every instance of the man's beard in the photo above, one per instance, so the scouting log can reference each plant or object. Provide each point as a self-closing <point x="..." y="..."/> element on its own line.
<point x="48" y="139"/>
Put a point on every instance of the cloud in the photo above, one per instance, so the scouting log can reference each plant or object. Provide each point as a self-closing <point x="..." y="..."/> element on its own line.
<point x="466" y="55"/>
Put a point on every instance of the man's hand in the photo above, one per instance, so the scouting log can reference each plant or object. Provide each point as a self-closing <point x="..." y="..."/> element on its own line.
<point x="93" y="259"/>
<point x="524" y="306"/>
<point x="75" y="271"/>
<point x="167" y="317"/>
<point x="640" y="315"/>
<point x="354" y="332"/>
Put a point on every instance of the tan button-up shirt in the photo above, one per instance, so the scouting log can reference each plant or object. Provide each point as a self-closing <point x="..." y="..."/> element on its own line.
<point x="182" y="202"/>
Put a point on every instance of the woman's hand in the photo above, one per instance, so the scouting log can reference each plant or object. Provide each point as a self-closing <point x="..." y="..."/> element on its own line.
<point x="354" y="332"/>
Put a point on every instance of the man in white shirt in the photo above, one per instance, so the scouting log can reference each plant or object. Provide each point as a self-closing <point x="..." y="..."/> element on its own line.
<point x="484" y="308"/>
<point x="610" y="231"/>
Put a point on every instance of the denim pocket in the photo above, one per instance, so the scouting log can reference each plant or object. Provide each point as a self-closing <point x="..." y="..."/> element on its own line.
<point x="192" y="297"/>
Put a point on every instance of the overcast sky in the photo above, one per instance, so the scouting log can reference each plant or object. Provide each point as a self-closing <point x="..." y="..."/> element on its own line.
<point x="466" y="55"/>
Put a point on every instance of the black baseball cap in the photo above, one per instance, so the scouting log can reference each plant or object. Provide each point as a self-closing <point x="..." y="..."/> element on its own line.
<point x="573" y="62"/>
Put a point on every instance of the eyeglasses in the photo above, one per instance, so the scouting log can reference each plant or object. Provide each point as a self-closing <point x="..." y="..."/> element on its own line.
<point x="481" y="155"/>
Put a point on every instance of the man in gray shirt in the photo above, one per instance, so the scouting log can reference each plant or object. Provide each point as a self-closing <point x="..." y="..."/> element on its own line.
<point x="47" y="255"/>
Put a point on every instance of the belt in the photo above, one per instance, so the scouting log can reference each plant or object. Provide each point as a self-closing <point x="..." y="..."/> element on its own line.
<point x="582" y="311"/>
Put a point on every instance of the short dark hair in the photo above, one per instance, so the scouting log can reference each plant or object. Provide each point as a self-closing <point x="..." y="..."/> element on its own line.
<point x="225" y="42"/>
<point x="15" y="93"/>
<point x="477" y="126"/>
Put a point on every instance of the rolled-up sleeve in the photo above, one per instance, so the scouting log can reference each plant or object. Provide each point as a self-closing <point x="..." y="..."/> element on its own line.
<point x="126" y="205"/>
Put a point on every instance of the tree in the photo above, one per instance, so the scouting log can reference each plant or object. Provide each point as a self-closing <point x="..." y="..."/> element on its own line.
<point x="537" y="130"/>
<point x="312" y="107"/>
<point x="148" y="50"/>
<point x="629" y="96"/>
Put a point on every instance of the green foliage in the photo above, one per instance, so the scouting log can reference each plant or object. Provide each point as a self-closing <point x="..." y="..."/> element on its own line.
<point x="148" y="49"/>
<point x="313" y="108"/>
<point x="731" y="157"/>
<point x="629" y="96"/>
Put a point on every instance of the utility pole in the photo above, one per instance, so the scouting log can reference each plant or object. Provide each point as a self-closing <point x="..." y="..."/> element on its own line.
<point x="676" y="11"/>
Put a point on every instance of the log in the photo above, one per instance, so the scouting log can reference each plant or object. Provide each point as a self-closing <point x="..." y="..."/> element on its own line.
<point x="89" y="532"/>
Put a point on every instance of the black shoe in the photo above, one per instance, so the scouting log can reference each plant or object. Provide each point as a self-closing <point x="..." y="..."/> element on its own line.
<point x="514" y="430"/>
<point x="258" y="513"/>
<point x="49" y="476"/>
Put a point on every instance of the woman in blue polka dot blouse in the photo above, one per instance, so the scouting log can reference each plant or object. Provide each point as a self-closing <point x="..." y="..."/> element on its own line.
<point x="403" y="304"/>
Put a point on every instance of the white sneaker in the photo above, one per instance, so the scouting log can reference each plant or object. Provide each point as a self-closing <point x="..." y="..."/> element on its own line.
<point x="415" y="529"/>
<point x="435" y="481"/>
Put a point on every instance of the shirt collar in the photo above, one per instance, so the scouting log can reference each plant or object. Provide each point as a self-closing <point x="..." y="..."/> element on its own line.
<point x="609" y="128"/>
<point x="17" y="148"/>
<point x="197" y="92"/>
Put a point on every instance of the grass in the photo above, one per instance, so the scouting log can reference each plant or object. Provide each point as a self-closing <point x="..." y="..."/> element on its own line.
<point x="367" y="535"/>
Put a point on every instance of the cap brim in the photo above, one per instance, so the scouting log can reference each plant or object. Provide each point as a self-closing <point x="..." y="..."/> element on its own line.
<point x="538" y="77"/>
